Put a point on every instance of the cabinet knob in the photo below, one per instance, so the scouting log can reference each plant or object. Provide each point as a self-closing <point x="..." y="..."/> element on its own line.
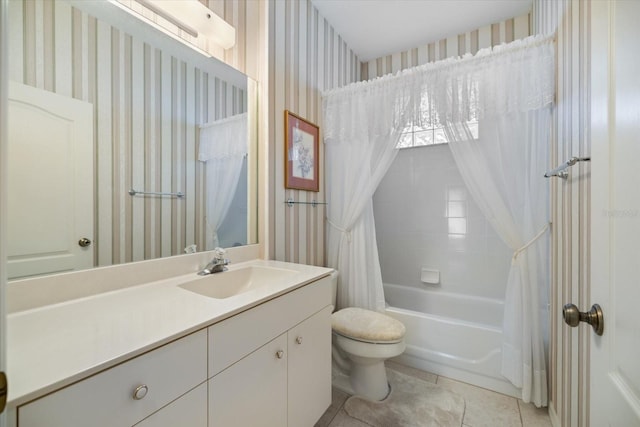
<point x="299" y="340"/>
<point x="140" y="392"/>
<point x="279" y="354"/>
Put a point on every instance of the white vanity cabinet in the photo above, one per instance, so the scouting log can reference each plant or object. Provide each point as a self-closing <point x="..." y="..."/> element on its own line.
<point x="271" y="366"/>
<point x="127" y="393"/>
<point x="285" y="382"/>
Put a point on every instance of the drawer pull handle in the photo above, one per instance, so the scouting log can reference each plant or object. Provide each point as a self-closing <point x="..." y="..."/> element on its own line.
<point x="279" y="354"/>
<point x="299" y="340"/>
<point x="140" y="392"/>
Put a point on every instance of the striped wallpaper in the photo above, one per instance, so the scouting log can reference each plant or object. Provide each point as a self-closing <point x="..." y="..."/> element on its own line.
<point x="306" y="56"/>
<point x="571" y="207"/>
<point x="148" y="105"/>
<point x="457" y="45"/>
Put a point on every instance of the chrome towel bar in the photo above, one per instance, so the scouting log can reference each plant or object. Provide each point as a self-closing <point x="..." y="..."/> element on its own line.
<point x="560" y="171"/>
<point x="133" y="192"/>
<point x="290" y="202"/>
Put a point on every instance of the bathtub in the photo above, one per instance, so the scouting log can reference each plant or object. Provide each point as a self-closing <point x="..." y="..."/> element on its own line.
<point x="452" y="335"/>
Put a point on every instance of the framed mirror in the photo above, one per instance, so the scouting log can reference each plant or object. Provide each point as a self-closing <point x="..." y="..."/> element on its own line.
<point x="126" y="143"/>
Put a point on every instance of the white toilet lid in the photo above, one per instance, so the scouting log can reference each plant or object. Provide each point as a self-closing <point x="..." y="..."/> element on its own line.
<point x="367" y="325"/>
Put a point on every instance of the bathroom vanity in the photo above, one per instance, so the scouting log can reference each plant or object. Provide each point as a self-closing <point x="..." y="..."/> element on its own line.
<point x="247" y="347"/>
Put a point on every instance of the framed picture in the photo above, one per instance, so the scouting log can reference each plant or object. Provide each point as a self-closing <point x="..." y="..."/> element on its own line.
<point x="301" y="153"/>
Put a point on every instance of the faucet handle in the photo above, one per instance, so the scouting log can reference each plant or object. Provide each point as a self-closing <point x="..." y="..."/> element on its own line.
<point x="220" y="253"/>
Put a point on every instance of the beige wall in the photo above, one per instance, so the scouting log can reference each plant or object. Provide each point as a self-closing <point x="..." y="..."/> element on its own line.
<point x="569" y="365"/>
<point x="306" y="56"/>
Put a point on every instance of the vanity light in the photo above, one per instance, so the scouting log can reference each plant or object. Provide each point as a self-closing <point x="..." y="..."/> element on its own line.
<point x="190" y="16"/>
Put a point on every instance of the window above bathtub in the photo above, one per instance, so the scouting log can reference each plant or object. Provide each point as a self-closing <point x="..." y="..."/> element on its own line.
<point x="421" y="135"/>
<point x="426" y="128"/>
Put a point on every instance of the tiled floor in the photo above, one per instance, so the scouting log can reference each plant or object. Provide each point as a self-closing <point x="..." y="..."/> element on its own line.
<point x="482" y="407"/>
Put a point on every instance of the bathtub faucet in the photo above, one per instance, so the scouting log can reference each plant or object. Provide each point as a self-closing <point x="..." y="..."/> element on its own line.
<point x="217" y="264"/>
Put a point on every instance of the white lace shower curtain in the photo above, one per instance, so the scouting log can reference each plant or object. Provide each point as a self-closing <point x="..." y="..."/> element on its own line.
<point x="363" y="124"/>
<point x="508" y="91"/>
<point x="223" y="146"/>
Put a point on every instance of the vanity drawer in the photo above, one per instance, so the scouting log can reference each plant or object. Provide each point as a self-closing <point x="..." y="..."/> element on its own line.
<point x="234" y="338"/>
<point x="190" y="410"/>
<point x="107" y="398"/>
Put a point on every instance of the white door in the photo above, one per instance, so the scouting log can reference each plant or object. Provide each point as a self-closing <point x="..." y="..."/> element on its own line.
<point x="615" y="242"/>
<point x="50" y="182"/>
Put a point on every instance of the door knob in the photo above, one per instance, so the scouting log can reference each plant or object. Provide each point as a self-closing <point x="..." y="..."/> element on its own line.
<point x="3" y="391"/>
<point x="84" y="242"/>
<point x="572" y="317"/>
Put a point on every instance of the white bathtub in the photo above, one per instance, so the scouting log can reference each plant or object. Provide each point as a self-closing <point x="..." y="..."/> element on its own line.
<point x="453" y="335"/>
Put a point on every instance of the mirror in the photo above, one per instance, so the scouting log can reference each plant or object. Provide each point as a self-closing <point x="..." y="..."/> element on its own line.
<point x="104" y="107"/>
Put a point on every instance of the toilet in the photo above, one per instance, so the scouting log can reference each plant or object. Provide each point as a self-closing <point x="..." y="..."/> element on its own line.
<point x="362" y="341"/>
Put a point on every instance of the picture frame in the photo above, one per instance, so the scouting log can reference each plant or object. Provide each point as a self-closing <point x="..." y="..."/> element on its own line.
<point x="301" y="153"/>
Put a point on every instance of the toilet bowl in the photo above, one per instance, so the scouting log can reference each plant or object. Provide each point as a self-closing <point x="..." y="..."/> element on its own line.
<point x="365" y="339"/>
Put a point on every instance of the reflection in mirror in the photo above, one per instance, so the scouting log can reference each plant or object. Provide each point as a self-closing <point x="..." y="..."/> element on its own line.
<point x="102" y="103"/>
<point x="223" y="148"/>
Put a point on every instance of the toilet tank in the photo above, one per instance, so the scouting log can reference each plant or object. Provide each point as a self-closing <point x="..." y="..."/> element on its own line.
<point x="334" y="287"/>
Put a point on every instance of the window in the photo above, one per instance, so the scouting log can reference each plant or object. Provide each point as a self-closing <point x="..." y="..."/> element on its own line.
<point x="420" y="136"/>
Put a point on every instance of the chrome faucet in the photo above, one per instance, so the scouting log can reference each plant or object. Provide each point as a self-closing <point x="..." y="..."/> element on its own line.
<point x="217" y="264"/>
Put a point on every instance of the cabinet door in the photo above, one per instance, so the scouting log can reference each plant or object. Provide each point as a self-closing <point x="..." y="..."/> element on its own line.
<point x="309" y="376"/>
<point x="189" y="410"/>
<point x="253" y="391"/>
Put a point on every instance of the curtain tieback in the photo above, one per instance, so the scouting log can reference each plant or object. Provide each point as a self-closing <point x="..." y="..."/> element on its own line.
<point x="345" y="232"/>
<point x="531" y="242"/>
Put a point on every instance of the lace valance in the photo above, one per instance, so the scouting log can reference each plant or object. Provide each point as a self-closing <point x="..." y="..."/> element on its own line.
<point x="514" y="77"/>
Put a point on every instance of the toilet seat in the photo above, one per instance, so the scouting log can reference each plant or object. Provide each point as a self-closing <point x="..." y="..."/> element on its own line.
<point x="367" y="326"/>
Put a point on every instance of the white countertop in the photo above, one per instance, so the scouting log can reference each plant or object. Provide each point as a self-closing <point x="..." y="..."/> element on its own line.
<point x="53" y="346"/>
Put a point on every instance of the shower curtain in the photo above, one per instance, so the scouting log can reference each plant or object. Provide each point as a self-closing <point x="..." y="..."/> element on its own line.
<point x="223" y="146"/>
<point x="508" y="91"/>
<point x="363" y="124"/>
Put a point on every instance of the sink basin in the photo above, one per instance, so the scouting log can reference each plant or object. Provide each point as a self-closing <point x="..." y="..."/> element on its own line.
<point x="235" y="282"/>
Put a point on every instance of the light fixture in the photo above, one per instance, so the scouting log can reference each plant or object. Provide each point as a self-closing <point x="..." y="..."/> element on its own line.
<point x="195" y="19"/>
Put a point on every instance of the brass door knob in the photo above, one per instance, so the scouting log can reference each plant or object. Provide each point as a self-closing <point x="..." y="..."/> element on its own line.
<point x="572" y="317"/>
<point x="4" y="388"/>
